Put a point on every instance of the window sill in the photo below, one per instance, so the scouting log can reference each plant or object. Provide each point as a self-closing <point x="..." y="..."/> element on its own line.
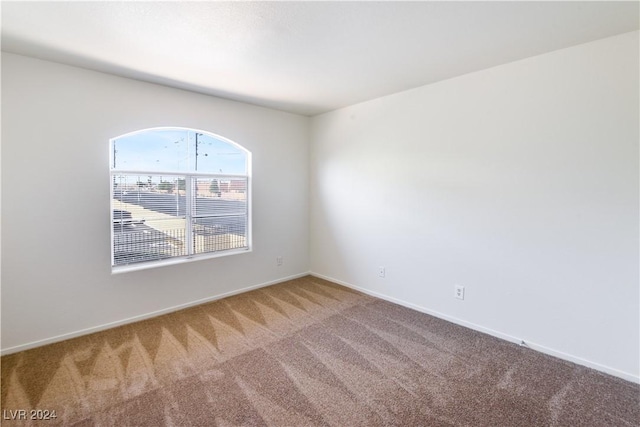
<point x="178" y="260"/>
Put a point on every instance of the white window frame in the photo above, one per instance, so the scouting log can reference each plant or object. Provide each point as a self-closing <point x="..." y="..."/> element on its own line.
<point x="189" y="177"/>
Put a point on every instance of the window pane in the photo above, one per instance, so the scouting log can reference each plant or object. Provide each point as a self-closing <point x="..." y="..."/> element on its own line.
<point x="220" y="214"/>
<point x="158" y="150"/>
<point x="170" y="150"/>
<point x="218" y="156"/>
<point x="148" y="218"/>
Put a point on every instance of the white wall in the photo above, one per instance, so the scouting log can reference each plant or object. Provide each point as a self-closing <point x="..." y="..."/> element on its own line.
<point x="519" y="182"/>
<point x="56" y="125"/>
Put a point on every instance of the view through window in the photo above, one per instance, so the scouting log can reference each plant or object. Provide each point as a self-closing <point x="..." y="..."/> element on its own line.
<point x="177" y="193"/>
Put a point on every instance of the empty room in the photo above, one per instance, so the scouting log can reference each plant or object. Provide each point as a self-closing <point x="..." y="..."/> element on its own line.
<point x="320" y="213"/>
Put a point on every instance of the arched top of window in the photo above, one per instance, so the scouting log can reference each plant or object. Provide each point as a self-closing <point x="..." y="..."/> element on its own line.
<point x="178" y="150"/>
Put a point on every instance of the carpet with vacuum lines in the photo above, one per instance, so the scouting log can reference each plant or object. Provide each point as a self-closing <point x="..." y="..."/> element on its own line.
<point x="306" y="352"/>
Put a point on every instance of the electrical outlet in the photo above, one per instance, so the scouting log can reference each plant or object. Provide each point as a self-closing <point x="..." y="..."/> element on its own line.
<point x="381" y="272"/>
<point x="279" y="260"/>
<point x="459" y="291"/>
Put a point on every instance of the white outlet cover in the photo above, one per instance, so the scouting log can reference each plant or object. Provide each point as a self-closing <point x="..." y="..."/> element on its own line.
<point x="381" y="271"/>
<point x="459" y="291"/>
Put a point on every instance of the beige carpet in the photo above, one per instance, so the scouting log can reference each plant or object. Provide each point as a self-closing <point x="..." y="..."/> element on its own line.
<point x="306" y="352"/>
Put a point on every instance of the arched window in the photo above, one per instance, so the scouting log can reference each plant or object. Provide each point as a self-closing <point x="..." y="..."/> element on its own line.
<point x="177" y="194"/>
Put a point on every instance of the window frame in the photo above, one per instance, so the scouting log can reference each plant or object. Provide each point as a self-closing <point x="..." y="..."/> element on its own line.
<point x="190" y="177"/>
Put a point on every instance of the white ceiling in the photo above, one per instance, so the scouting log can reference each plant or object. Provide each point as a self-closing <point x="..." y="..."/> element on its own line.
<point x="302" y="57"/>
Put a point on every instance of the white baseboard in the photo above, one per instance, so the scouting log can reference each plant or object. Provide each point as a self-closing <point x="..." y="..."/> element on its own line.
<point x="537" y="347"/>
<point x="133" y="319"/>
